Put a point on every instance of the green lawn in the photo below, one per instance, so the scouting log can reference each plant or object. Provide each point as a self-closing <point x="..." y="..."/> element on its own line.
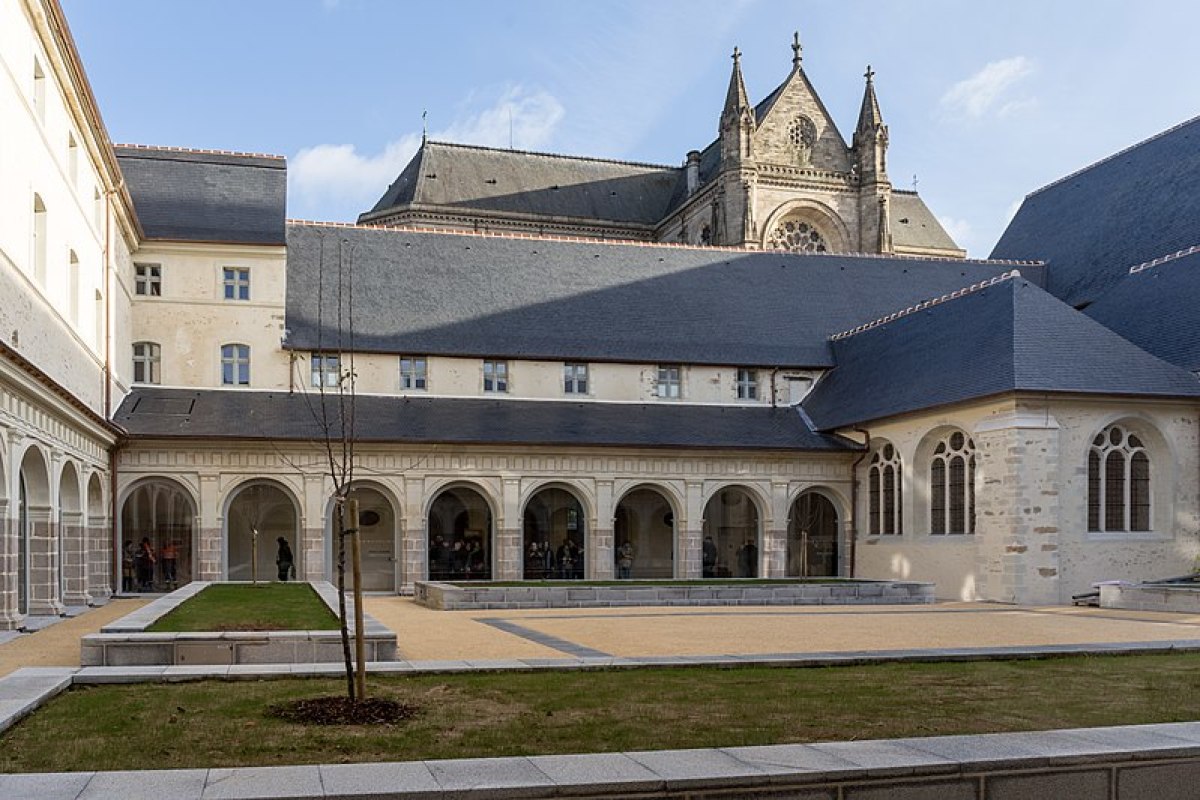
<point x="246" y="607"/>
<point x="493" y="714"/>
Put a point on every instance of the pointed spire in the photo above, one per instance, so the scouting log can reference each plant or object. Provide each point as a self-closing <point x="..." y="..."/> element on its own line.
<point x="870" y="118"/>
<point x="736" y="99"/>
<point x="797" y="50"/>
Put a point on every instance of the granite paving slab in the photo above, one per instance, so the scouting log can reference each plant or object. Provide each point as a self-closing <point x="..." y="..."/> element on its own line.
<point x="594" y="772"/>
<point x="176" y="784"/>
<point x="263" y="783"/>
<point x="471" y="778"/>
<point x="699" y="769"/>
<point x="380" y="781"/>
<point x="44" y="785"/>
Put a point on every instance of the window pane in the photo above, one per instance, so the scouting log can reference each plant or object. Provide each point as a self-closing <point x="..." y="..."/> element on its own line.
<point x="1139" y="492"/>
<point x="958" y="500"/>
<point x="937" y="496"/>
<point x="1093" y="499"/>
<point x="873" y="513"/>
<point x="1114" y="492"/>
<point x="889" y="499"/>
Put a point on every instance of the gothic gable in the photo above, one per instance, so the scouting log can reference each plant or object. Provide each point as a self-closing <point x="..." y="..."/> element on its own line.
<point x="795" y="129"/>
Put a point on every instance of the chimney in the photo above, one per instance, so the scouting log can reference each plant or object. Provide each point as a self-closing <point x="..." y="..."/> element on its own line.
<point x="693" y="172"/>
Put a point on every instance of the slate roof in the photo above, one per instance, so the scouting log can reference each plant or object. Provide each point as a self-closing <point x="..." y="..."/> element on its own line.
<point x="914" y="225"/>
<point x="216" y="414"/>
<point x="522" y="297"/>
<point x="1158" y="309"/>
<point x="206" y="196"/>
<point x="1011" y="336"/>
<point x="520" y="182"/>
<point x="1092" y="226"/>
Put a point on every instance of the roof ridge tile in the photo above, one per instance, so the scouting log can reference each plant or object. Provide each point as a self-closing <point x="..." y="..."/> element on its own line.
<point x="924" y="304"/>
<point x="1151" y="264"/>
<point x="547" y="154"/>
<point x="197" y="151"/>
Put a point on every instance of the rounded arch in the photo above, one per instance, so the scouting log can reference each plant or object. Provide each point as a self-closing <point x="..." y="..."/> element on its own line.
<point x="554" y="524"/>
<point x="814" y="532"/>
<point x="3" y="471"/>
<point x="1130" y="474"/>
<point x="674" y="498"/>
<point x="919" y="470"/>
<point x="582" y="493"/>
<point x="157" y="528"/>
<point x="33" y="521"/>
<point x="487" y="492"/>
<point x="256" y="513"/>
<point x="69" y="566"/>
<point x="731" y="544"/>
<point x="34" y="473"/>
<point x="379" y="516"/>
<point x="461" y="530"/>
<point x="70" y="495"/>
<point x="645" y="521"/>
<point x="95" y="499"/>
<point x="821" y="216"/>
<point x="883" y="473"/>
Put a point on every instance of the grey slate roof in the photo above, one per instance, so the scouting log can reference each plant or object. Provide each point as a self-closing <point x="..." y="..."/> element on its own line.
<point x="216" y="414"/>
<point x="517" y="297"/>
<point x="515" y="181"/>
<point x="914" y="225"/>
<point x="1011" y="336"/>
<point x="200" y="196"/>
<point x="1092" y="226"/>
<point x="1158" y="309"/>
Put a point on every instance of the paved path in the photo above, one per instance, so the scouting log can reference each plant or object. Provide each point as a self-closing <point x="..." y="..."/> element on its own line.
<point x="425" y="634"/>
<point x="58" y="644"/>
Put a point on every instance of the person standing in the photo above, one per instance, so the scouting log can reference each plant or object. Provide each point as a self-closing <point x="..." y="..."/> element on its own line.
<point x="145" y="566"/>
<point x="284" y="559"/>
<point x="127" y="562"/>
<point x="170" y="558"/>
<point x="625" y="560"/>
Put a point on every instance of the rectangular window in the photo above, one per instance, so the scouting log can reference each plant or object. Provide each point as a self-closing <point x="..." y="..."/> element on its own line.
<point x="147" y="280"/>
<point x="326" y="369"/>
<point x="575" y="378"/>
<point x="146" y="359"/>
<point x="413" y="372"/>
<point x="235" y="365"/>
<point x="237" y="283"/>
<point x="668" y="381"/>
<point x="495" y="376"/>
<point x="747" y="384"/>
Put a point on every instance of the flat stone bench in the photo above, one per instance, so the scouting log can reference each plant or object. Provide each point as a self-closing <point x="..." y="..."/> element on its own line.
<point x="126" y="641"/>
<point x="1177" y="597"/>
<point x="467" y="597"/>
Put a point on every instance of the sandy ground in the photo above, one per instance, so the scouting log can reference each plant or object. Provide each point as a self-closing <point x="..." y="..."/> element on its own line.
<point x="424" y="634"/>
<point x="427" y="634"/>
<point x="58" y="645"/>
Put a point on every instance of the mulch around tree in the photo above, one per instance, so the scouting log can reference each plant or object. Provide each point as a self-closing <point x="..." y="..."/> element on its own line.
<point x="343" y="711"/>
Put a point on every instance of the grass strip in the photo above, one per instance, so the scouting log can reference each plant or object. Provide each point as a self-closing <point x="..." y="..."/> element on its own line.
<point x="224" y="723"/>
<point x="249" y="607"/>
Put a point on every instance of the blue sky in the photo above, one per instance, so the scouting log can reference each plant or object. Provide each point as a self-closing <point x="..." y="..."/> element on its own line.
<point x="985" y="102"/>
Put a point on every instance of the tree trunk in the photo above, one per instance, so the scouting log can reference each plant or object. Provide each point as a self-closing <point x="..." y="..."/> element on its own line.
<point x="341" y="585"/>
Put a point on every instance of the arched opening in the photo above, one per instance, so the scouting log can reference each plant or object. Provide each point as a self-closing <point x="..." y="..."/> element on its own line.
<point x="555" y="532"/>
<point x="730" y="547"/>
<point x="377" y="532"/>
<point x="70" y="562"/>
<point x="35" y="568"/>
<point x="97" y="552"/>
<point x="644" y="532"/>
<point x="812" y="542"/>
<point x="158" y="517"/>
<point x="259" y="515"/>
<point x="460" y="536"/>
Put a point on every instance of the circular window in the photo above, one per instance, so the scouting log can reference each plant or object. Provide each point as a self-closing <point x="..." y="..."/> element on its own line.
<point x="798" y="236"/>
<point x="368" y="519"/>
<point x="802" y="133"/>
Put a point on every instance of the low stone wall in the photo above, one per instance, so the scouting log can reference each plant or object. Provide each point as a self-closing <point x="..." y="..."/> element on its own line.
<point x="466" y="597"/>
<point x="125" y="642"/>
<point x="1183" y="598"/>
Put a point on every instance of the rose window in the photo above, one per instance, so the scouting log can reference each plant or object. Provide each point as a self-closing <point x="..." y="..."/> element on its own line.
<point x="802" y="135"/>
<point x="797" y="236"/>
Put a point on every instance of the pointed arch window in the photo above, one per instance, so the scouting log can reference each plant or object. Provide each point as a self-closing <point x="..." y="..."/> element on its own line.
<point x="952" y="485"/>
<point x="1118" y="482"/>
<point x="884" y="487"/>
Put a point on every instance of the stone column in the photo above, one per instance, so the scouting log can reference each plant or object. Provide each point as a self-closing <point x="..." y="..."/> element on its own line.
<point x="9" y="618"/>
<point x="507" y="565"/>
<point x="44" y="598"/>
<point x="207" y="559"/>
<point x="601" y="565"/>
<point x="99" y="560"/>
<point x="774" y="536"/>
<point x="414" y="539"/>
<point x="311" y="546"/>
<point x="1016" y="508"/>
<point x="74" y="559"/>
<point x="689" y="533"/>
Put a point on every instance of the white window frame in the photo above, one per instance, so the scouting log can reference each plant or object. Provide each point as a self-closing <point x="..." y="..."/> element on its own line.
<point x="416" y="377"/>
<point x="236" y="284"/>
<point x="147" y="356"/>
<point x="669" y="385"/>
<point x="326" y="366"/>
<point x="575" y="378"/>
<point x="236" y="356"/>
<point x="495" y="376"/>
<point x="147" y="277"/>
<point x="746" y="383"/>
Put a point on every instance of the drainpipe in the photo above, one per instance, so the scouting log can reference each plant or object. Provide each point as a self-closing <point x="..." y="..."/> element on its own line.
<point x="854" y="498"/>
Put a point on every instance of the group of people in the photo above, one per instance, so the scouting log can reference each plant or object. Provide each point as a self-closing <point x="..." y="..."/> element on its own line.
<point x="460" y="560"/>
<point x="138" y="565"/>
<point x="746" y="556"/>
<point x="547" y="563"/>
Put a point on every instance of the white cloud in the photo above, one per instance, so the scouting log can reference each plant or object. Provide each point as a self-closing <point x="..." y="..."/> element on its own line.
<point x="989" y="91"/>
<point x="960" y="230"/>
<point x="339" y="172"/>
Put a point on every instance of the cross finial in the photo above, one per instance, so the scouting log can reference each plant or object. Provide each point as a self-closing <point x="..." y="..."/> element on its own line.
<point x="869" y="74"/>
<point x="797" y="49"/>
<point x="737" y="54"/>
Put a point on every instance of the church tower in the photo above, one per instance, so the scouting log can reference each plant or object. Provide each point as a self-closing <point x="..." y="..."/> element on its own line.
<point x="870" y="160"/>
